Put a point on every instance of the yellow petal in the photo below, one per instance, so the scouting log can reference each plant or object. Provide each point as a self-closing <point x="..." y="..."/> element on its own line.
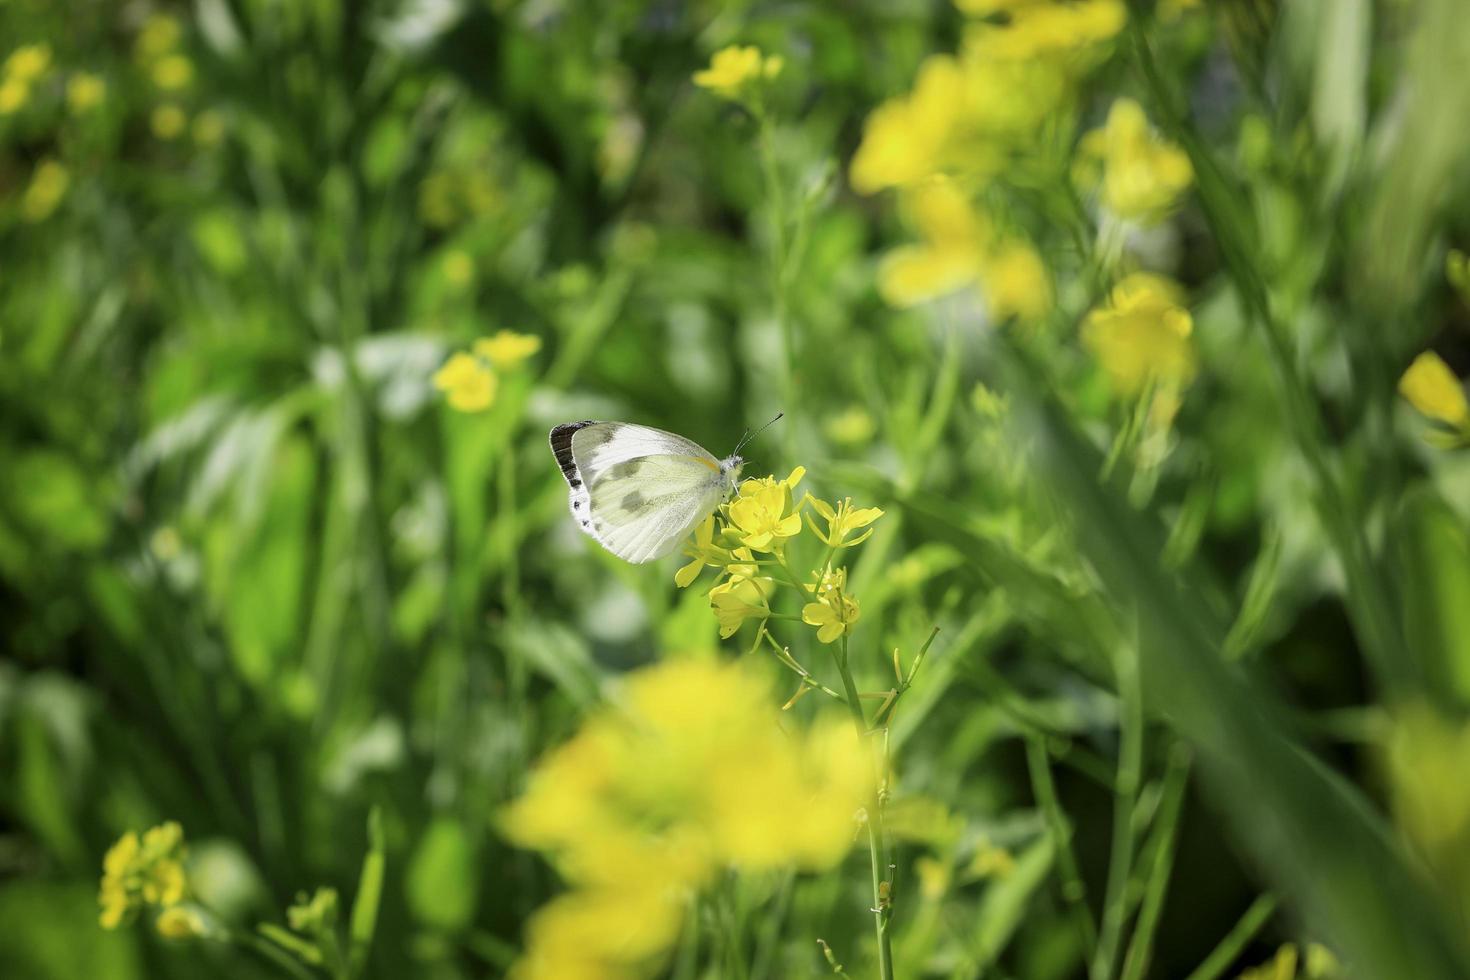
<point x="1432" y="388"/>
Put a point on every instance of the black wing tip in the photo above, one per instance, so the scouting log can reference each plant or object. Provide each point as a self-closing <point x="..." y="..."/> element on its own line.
<point x="561" y="447"/>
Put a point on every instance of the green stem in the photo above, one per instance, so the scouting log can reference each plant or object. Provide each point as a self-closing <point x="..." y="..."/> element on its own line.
<point x="1125" y="797"/>
<point x="1135" y="964"/>
<point x="1245" y="930"/>
<point x="881" y="901"/>
<point x="1073" y="890"/>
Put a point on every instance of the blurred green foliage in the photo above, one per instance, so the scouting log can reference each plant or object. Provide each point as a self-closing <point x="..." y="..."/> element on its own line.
<point x="1201" y="689"/>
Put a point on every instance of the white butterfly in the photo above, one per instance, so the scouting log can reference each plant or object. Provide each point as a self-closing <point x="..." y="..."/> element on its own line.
<point x="640" y="491"/>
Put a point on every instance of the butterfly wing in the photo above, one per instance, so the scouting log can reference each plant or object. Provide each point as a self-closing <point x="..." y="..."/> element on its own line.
<point x="637" y="490"/>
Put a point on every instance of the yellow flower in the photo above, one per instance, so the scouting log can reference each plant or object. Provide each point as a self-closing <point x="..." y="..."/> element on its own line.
<point x="14" y="94"/>
<point x="173" y="72"/>
<point x="1143" y="175"/>
<point x="158" y="37"/>
<point x="733" y="69"/>
<point x="506" y="349"/>
<point x="1142" y="334"/>
<point x="48" y="186"/>
<point x="27" y="63"/>
<point x="1044" y="28"/>
<point x="137" y="873"/>
<point x="686" y="772"/>
<point x="737" y="600"/>
<point x="180" y="922"/>
<point x="167" y="121"/>
<point x="853" y="426"/>
<point x="762" y="514"/>
<point x="1432" y="388"/>
<point x="702" y="552"/>
<point x="85" y="91"/>
<point x="1282" y="966"/>
<point x="835" y="612"/>
<point x="961" y="250"/>
<point x="468" y="381"/>
<point x="459" y="268"/>
<point x="842" y="521"/>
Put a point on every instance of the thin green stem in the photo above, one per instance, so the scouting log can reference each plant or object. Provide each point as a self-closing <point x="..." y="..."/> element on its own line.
<point x="1073" y="889"/>
<point x="882" y="899"/>
<point x="1125" y="798"/>
<point x="1135" y="964"/>
<point x="1236" y="939"/>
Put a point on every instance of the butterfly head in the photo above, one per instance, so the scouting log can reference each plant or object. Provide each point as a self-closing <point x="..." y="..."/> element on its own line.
<point x="730" y="468"/>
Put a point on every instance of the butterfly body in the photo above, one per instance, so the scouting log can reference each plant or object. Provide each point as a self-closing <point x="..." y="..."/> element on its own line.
<point x="639" y="491"/>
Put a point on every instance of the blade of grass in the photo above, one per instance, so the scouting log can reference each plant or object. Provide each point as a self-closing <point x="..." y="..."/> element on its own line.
<point x="1236" y="939"/>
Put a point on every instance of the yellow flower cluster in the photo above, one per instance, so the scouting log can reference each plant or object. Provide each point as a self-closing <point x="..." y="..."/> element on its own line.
<point x="1141" y="174"/>
<point x="1432" y="388"/>
<point x="1142" y="335"/>
<point x="961" y="249"/>
<point x="762" y="519"/>
<point x="23" y="68"/>
<point x="143" y="872"/>
<point x="470" y="380"/>
<point x="967" y="119"/>
<point x="171" y="72"/>
<point x="734" y="71"/>
<point x="687" y="773"/>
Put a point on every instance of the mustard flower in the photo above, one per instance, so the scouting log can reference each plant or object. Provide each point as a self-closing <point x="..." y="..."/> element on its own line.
<point x="180" y="922"/>
<point x="27" y="63"/>
<point x="687" y="771"/>
<point x="835" y="612"/>
<point x="703" y="551"/>
<point x="14" y="94"/>
<point x="1142" y="334"/>
<point x="1044" y="28"/>
<point x="173" y="72"/>
<point x="734" y="69"/>
<point x="468" y="381"/>
<point x="137" y="873"/>
<point x="842" y="520"/>
<point x="159" y="36"/>
<point x="506" y="348"/>
<point x="738" y="600"/>
<point x="84" y="92"/>
<point x="1142" y="175"/>
<point x="44" y="193"/>
<point x="1432" y="388"/>
<point x="762" y="513"/>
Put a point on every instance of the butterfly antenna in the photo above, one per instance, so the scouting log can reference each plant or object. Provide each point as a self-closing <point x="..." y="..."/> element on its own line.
<point x="751" y="435"/>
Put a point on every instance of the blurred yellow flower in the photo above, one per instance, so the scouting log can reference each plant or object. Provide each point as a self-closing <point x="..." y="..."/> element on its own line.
<point x="138" y="873"/>
<point x="835" y="612"/>
<point x="1041" y="28"/>
<point x="14" y="94"/>
<point x="703" y="552"/>
<point x="853" y="426"/>
<point x="733" y="69"/>
<point x="1143" y="175"/>
<point x="158" y="37"/>
<point x="49" y="184"/>
<point x="506" y="348"/>
<point x="167" y="121"/>
<point x="173" y="72"/>
<point x="685" y="773"/>
<point x="180" y="922"/>
<point x="961" y="250"/>
<point x="459" y="268"/>
<point x="85" y="91"/>
<point x="1282" y="966"/>
<point x="468" y="381"/>
<point x="1142" y="334"/>
<point x="27" y="63"/>
<point x="1432" y="388"/>
<point x="315" y="913"/>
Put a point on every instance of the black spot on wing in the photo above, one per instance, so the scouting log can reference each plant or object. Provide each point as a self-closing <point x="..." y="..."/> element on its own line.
<point x="561" y="448"/>
<point x="633" y="501"/>
<point x="623" y="470"/>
